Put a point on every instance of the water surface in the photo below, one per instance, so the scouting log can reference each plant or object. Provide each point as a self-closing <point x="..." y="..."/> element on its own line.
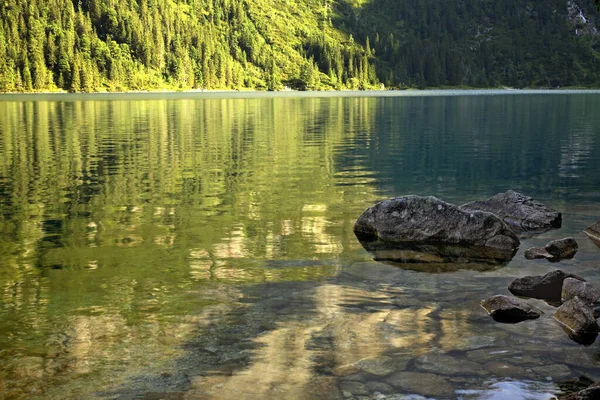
<point x="202" y="246"/>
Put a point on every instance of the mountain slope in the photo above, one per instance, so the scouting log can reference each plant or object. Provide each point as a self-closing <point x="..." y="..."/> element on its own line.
<point x="480" y="42"/>
<point x="89" y="45"/>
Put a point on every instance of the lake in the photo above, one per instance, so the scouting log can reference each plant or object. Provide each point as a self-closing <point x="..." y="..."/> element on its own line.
<point x="200" y="245"/>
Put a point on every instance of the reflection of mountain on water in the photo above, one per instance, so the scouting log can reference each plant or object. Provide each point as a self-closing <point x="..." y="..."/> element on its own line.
<point x="437" y="258"/>
<point x="575" y="151"/>
<point x="360" y="332"/>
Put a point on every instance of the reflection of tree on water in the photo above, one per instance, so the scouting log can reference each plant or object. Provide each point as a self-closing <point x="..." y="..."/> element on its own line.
<point x="304" y="340"/>
<point x="110" y="207"/>
<point x="162" y="206"/>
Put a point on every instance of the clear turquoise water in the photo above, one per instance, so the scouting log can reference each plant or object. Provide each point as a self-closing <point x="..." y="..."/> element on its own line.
<point x="202" y="244"/>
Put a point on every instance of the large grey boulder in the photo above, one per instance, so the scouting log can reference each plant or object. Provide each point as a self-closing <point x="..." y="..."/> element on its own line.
<point x="546" y="287"/>
<point x="593" y="232"/>
<point x="418" y="221"/>
<point x="555" y="250"/>
<point x="509" y="309"/>
<point x="577" y="317"/>
<point x="521" y="212"/>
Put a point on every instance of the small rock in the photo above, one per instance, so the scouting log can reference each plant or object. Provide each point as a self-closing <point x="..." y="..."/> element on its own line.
<point x="547" y="287"/>
<point x="585" y="291"/>
<point x="318" y="388"/>
<point x="509" y="309"/>
<point x="578" y="318"/>
<point x="503" y="369"/>
<point x="562" y="248"/>
<point x="345" y="370"/>
<point x="593" y="232"/>
<point x="554" y="371"/>
<point x="446" y="365"/>
<point x="380" y="366"/>
<point x="579" y="359"/>
<point x="520" y="212"/>
<point x="592" y="392"/>
<point x="381" y="387"/>
<point x="555" y="250"/>
<point x="485" y="355"/>
<point x="354" y="388"/>
<point x="474" y="342"/>
<point x="536" y="253"/>
<point x="421" y="383"/>
<point x="358" y="377"/>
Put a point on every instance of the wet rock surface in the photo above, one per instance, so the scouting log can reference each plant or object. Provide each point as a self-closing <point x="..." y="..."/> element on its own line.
<point x="537" y="253"/>
<point x="592" y="392"/>
<point x="421" y="383"/>
<point x="556" y="250"/>
<point x="562" y="248"/>
<point x="380" y="366"/>
<point x="447" y="365"/>
<point x="505" y="369"/>
<point x="586" y="292"/>
<point x="593" y="232"/>
<point x="425" y="225"/>
<point x="553" y="371"/>
<point x="428" y="220"/>
<point x="510" y="309"/>
<point x="577" y="317"/>
<point x="546" y="287"/>
<point x="520" y="212"/>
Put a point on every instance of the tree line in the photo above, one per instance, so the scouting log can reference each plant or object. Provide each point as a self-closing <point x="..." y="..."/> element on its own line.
<point x="97" y="45"/>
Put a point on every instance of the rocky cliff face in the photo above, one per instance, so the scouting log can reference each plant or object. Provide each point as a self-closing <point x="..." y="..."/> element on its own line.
<point x="582" y="24"/>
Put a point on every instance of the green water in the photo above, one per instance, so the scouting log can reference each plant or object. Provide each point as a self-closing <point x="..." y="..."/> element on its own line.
<point x="202" y="245"/>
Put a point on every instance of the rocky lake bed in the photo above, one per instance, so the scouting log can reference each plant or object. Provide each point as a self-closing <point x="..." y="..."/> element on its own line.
<point x="430" y="225"/>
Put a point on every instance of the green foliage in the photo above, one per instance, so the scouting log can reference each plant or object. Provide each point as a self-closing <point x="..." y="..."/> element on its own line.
<point x="478" y="43"/>
<point x="92" y="45"/>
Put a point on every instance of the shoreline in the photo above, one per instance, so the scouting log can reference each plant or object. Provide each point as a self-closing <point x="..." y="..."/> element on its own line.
<point x="231" y="93"/>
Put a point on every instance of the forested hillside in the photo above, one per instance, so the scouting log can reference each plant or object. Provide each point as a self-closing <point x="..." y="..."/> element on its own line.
<point x="92" y="45"/>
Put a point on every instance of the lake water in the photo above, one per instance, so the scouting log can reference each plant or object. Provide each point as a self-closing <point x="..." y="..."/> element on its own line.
<point x="200" y="246"/>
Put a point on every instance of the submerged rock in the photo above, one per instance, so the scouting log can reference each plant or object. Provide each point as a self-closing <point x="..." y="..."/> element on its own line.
<point x="353" y="388"/>
<point x="555" y="250"/>
<point x="593" y="232"/>
<point x="380" y="366"/>
<point x="421" y="383"/>
<point x="577" y="317"/>
<point x="547" y="287"/>
<point x="509" y="309"/>
<point x="520" y="212"/>
<point x="437" y="258"/>
<point x="446" y="365"/>
<point x="440" y="231"/>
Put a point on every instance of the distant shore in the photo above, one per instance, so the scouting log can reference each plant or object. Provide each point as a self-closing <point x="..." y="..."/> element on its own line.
<point x="199" y="93"/>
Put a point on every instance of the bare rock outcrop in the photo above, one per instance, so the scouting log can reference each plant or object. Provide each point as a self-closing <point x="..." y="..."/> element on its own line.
<point x="414" y="221"/>
<point x="522" y="213"/>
